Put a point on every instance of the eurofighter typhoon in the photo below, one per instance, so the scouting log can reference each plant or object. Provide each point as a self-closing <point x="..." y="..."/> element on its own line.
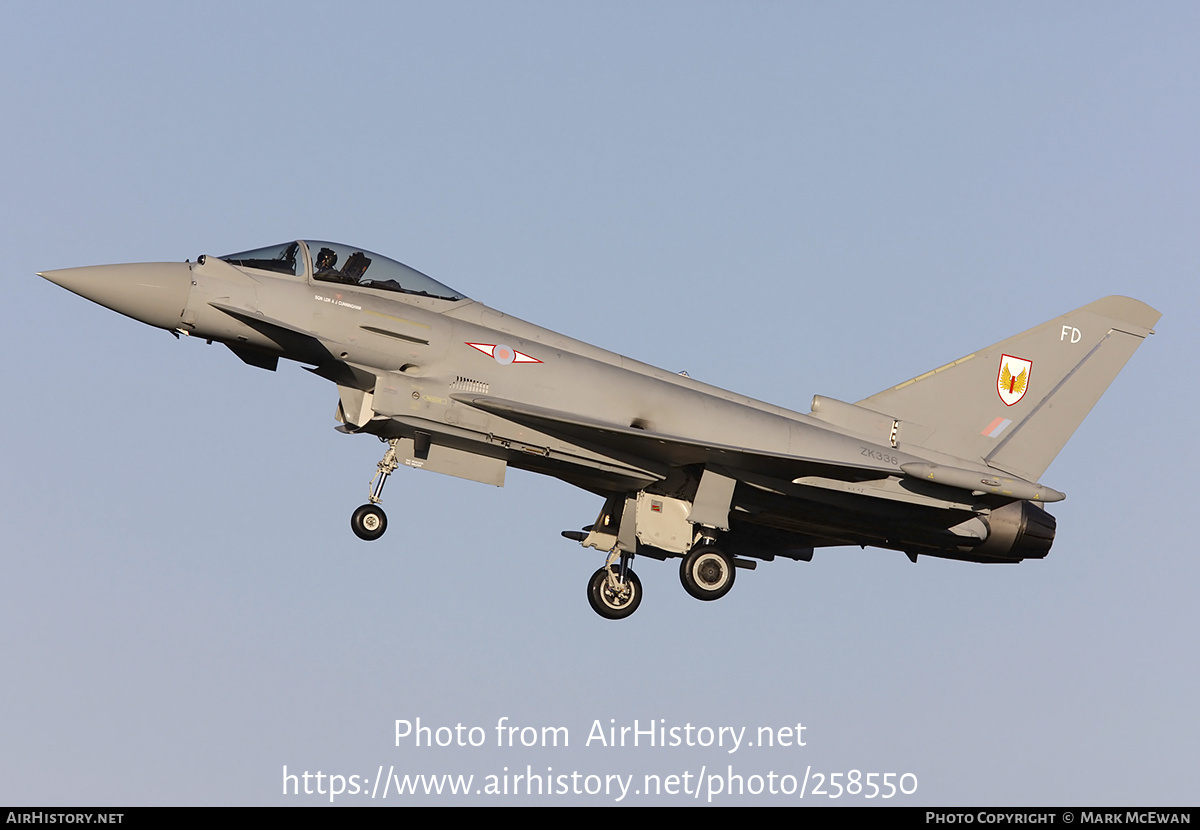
<point x="947" y="464"/>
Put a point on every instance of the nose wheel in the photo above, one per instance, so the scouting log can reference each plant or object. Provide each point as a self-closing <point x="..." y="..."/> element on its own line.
<point x="368" y="522"/>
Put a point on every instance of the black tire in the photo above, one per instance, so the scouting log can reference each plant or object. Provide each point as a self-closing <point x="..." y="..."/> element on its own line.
<point x="707" y="573"/>
<point x="608" y="605"/>
<point x="368" y="522"/>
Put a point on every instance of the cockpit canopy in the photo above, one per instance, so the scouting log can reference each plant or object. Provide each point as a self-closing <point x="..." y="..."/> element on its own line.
<point x="335" y="262"/>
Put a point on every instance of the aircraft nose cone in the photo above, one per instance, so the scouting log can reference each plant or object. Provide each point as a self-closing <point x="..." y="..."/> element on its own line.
<point x="152" y="292"/>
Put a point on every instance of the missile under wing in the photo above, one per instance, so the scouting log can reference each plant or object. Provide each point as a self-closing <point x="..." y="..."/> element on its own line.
<point x="947" y="464"/>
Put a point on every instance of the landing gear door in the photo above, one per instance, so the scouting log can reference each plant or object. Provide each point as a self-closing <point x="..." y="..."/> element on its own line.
<point x="603" y="534"/>
<point x="662" y="522"/>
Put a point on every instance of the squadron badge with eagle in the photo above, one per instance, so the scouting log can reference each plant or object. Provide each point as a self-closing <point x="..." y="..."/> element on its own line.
<point x="1013" y="378"/>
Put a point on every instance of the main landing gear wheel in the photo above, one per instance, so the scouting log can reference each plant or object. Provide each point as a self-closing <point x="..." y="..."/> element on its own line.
<point x="706" y="573"/>
<point x="369" y="522"/>
<point x="611" y="599"/>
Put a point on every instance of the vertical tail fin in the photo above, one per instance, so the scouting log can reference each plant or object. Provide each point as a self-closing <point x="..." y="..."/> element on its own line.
<point x="1014" y="405"/>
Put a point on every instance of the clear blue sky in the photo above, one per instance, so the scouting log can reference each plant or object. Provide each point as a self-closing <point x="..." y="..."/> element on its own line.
<point x="782" y="199"/>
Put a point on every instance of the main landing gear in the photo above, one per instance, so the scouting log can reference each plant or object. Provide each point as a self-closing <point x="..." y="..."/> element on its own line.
<point x="614" y="591"/>
<point x="707" y="573"/>
<point x="369" y="521"/>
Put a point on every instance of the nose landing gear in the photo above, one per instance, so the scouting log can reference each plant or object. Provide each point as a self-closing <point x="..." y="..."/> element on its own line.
<point x="369" y="521"/>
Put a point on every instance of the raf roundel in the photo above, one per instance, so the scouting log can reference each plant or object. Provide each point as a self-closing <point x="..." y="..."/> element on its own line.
<point x="504" y="355"/>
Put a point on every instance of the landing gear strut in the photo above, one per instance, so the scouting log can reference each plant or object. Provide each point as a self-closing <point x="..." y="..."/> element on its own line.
<point x="369" y="521"/>
<point x="614" y="591"/>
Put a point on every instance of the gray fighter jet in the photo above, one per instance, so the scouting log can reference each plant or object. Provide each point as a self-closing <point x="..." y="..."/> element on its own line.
<point x="946" y="464"/>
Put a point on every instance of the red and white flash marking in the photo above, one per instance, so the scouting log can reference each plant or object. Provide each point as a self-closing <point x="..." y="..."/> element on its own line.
<point x="503" y="355"/>
<point x="996" y="427"/>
